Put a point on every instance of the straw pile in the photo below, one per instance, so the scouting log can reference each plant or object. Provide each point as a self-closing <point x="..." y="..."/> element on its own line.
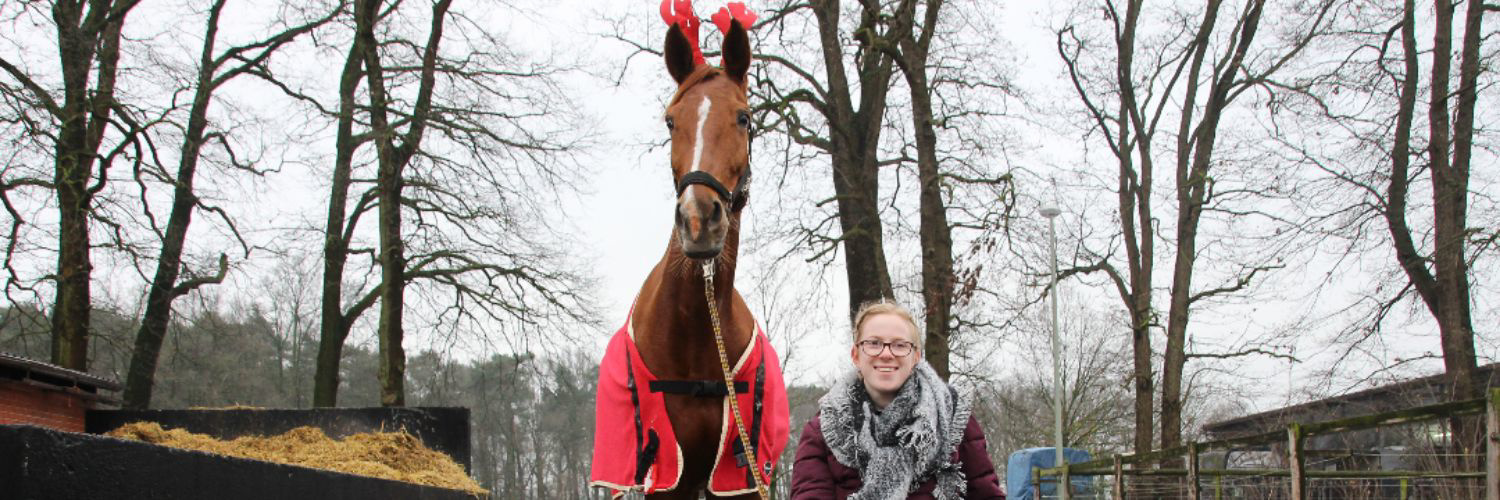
<point x="388" y="455"/>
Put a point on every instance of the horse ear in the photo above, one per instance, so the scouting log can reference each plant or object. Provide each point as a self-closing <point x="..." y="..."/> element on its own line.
<point x="679" y="54"/>
<point x="737" y="52"/>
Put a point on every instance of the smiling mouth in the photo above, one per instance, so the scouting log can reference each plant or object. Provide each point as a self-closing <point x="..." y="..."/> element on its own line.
<point x="885" y="369"/>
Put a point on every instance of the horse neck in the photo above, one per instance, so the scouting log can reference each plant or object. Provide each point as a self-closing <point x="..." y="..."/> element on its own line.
<point x="672" y="299"/>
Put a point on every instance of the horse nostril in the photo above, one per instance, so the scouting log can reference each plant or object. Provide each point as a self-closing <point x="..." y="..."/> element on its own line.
<point x="677" y="213"/>
<point x="718" y="210"/>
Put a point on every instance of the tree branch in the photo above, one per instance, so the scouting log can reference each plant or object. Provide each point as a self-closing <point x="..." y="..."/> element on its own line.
<point x="1239" y="284"/>
<point x="36" y="90"/>
<point x="192" y="284"/>
<point x="1246" y="352"/>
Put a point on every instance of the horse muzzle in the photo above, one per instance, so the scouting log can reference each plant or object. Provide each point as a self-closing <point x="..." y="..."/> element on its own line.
<point x="702" y="222"/>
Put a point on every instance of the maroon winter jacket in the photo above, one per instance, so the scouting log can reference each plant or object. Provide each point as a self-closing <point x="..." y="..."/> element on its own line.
<point x="817" y="475"/>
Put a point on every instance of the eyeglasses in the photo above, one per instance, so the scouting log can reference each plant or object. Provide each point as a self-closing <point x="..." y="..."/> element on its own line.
<point x="899" y="348"/>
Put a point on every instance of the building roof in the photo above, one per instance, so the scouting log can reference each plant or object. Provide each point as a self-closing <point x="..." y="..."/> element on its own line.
<point x="53" y="374"/>
<point x="1415" y="392"/>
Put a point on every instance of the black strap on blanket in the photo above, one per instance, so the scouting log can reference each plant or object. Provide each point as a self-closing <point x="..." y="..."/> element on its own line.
<point x="760" y="393"/>
<point x="738" y="447"/>
<point x="697" y="388"/>
<point x="645" y="453"/>
<point x="646" y="457"/>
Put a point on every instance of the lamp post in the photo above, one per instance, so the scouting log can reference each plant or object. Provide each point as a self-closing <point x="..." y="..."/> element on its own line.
<point x="1051" y="213"/>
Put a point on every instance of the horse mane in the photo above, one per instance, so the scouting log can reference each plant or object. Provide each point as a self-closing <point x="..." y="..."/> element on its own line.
<point x="702" y="73"/>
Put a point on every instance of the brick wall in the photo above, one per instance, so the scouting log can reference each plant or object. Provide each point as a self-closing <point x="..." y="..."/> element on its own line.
<point x="26" y="404"/>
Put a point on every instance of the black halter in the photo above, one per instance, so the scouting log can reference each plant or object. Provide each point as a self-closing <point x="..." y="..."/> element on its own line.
<point x="736" y="200"/>
<point x="741" y="194"/>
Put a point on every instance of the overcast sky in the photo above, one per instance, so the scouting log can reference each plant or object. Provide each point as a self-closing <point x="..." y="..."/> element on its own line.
<point x="623" y="217"/>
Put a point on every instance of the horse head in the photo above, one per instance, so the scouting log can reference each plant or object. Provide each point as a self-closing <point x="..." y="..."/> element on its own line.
<point x="709" y="122"/>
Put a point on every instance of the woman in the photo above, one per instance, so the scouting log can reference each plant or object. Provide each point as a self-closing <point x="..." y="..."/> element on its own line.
<point x="892" y="429"/>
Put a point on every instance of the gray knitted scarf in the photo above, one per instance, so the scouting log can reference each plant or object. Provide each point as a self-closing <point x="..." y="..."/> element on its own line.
<point x="908" y="443"/>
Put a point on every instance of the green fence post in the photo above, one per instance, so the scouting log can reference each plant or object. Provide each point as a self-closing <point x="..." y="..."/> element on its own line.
<point x="1066" y="482"/>
<point x="1036" y="482"/>
<point x="1492" y="449"/>
<point x="1192" y="470"/>
<point x="1119" y="480"/>
<point x="1294" y="461"/>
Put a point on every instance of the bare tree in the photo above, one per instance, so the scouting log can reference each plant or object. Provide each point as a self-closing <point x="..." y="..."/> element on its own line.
<point x="847" y="120"/>
<point x="1440" y="278"/>
<point x="1126" y="109"/>
<point x="394" y="156"/>
<point x="1096" y="411"/>
<point x="336" y="319"/>
<point x="939" y="83"/>
<point x="292" y="300"/>
<point x="1378" y="152"/>
<point x="214" y="70"/>
<point x="1444" y="287"/>
<point x="88" y="41"/>
<point x="909" y="48"/>
<point x="478" y="182"/>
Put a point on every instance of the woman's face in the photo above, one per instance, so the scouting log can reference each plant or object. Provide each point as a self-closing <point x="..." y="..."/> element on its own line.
<point x="884" y="373"/>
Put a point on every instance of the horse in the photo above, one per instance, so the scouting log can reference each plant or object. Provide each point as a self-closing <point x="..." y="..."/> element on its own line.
<point x="708" y="119"/>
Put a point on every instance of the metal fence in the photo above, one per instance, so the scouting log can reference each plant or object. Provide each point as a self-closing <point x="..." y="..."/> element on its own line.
<point x="1284" y="468"/>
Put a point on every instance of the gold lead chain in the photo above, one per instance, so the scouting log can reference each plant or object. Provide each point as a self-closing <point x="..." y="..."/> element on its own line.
<point x="734" y="404"/>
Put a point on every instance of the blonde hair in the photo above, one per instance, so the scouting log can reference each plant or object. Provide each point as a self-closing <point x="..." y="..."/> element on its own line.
<point x="885" y="306"/>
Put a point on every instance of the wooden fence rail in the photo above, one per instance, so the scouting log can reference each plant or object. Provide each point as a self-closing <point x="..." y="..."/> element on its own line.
<point x="1294" y="436"/>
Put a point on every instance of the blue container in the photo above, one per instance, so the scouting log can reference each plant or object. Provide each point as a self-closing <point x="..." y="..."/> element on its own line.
<point x="1018" y="472"/>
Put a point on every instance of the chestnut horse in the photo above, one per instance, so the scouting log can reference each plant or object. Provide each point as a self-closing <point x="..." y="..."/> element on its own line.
<point x="663" y="413"/>
<point x="708" y="119"/>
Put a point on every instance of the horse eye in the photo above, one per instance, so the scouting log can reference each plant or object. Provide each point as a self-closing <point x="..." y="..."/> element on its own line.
<point x="744" y="119"/>
<point x="671" y="124"/>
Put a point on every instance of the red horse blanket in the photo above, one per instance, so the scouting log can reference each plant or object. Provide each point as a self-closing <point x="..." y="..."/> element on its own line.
<point x="634" y="446"/>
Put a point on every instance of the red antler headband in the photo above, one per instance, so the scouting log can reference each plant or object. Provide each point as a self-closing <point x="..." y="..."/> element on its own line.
<point x="735" y="11"/>
<point x="680" y="12"/>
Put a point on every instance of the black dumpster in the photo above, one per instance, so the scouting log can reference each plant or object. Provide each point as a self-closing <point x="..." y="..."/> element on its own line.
<point x="442" y="429"/>
<point x="38" y="463"/>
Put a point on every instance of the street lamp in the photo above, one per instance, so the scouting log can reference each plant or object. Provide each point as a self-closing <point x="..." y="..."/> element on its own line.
<point x="1051" y="213"/>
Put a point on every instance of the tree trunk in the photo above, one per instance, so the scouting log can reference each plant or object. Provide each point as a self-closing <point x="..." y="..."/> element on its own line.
<point x="937" y="243"/>
<point x="1450" y="190"/>
<point x="164" y="285"/>
<point x="1143" y="382"/>
<point x="153" y="331"/>
<point x="1192" y="191"/>
<point x="1193" y="183"/>
<point x="83" y="40"/>
<point x="934" y="233"/>
<point x="70" y="311"/>
<point x="334" y="329"/>
<point x="393" y="289"/>
<point x="855" y="136"/>
<point x="388" y="193"/>
<point x="1134" y="194"/>
<point x="393" y="159"/>
<point x="1445" y="288"/>
<point x="364" y="60"/>
<point x="857" y="187"/>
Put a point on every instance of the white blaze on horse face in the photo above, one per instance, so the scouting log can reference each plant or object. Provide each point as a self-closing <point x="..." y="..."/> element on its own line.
<point x="698" y="138"/>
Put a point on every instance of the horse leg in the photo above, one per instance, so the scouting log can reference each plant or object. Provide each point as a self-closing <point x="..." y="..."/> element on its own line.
<point x="742" y="496"/>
